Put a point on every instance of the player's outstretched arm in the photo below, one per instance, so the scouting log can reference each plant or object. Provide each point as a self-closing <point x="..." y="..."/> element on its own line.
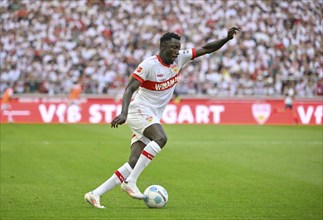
<point x="215" y="45"/>
<point x="120" y="119"/>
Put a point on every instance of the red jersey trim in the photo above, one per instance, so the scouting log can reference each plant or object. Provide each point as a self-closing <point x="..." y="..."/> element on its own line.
<point x="161" y="61"/>
<point x="161" y="86"/>
<point x="137" y="78"/>
<point x="193" y="53"/>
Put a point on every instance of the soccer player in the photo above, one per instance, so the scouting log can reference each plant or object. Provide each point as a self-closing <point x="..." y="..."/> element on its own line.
<point x="155" y="79"/>
<point x="289" y="97"/>
<point x="288" y="100"/>
<point x="6" y="103"/>
<point x="75" y="93"/>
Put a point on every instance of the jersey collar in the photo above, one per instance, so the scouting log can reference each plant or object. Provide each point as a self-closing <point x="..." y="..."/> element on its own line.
<point x="161" y="61"/>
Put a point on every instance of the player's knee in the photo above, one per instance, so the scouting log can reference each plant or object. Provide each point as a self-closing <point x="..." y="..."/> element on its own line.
<point x="161" y="141"/>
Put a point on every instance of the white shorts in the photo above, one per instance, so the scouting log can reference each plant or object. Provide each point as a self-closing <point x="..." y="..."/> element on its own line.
<point x="139" y="118"/>
<point x="5" y="106"/>
<point x="74" y="102"/>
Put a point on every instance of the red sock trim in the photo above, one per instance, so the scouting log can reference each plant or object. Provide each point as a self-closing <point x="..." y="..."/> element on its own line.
<point x="148" y="155"/>
<point x="119" y="175"/>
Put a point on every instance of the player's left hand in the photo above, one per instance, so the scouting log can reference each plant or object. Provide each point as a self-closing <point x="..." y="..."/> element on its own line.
<point x="232" y="31"/>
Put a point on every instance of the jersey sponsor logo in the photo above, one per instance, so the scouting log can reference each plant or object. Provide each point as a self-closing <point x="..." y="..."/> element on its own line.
<point x="167" y="84"/>
<point x="160" y="86"/>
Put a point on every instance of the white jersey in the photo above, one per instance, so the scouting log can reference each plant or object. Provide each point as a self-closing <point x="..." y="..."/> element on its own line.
<point x="158" y="81"/>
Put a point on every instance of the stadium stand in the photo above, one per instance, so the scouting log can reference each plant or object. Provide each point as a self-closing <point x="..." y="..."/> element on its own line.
<point x="48" y="45"/>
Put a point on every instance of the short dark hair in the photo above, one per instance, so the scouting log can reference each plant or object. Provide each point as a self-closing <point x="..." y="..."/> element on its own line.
<point x="168" y="36"/>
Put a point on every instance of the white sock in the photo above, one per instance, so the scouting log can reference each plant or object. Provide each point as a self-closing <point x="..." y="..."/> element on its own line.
<point x="118" y="177"/>
<point x="10" y="118"/>
<point x="147" y="154"/>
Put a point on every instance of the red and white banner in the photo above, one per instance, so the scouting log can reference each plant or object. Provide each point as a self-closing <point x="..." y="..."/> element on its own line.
<point x="187" y="111"/>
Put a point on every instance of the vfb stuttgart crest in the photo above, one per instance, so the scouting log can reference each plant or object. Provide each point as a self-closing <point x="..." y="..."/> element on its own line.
<point x="261" y="112"/>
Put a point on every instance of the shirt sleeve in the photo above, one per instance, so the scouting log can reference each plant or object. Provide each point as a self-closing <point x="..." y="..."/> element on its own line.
<point x="141" y="72"/>
<point x="185" y="56"/>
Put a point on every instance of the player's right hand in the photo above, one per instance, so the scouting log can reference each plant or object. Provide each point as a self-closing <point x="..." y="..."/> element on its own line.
<point x="118" y="120"/>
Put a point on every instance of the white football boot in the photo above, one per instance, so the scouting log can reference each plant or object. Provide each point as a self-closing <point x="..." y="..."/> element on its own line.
<point x="132" y="190"/>
<point x="94" y="200"/>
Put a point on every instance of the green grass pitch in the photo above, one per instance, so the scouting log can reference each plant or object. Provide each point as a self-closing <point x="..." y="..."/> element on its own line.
<point x="209" y="171"/>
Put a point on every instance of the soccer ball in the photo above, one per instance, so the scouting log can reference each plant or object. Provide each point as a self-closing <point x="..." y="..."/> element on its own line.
<point x="157" y="196"/>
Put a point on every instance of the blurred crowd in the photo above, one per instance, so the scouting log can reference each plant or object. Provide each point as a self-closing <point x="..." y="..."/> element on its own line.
<point x="47" y="46"/>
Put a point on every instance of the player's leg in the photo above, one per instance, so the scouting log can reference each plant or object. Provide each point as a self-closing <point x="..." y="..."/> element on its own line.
<point x="117" y="178"/>
<point x="6" y="109"/>
<point x="131" y="187"/>
<point x="136" y="149"/>
<point x="157" y="135"/>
